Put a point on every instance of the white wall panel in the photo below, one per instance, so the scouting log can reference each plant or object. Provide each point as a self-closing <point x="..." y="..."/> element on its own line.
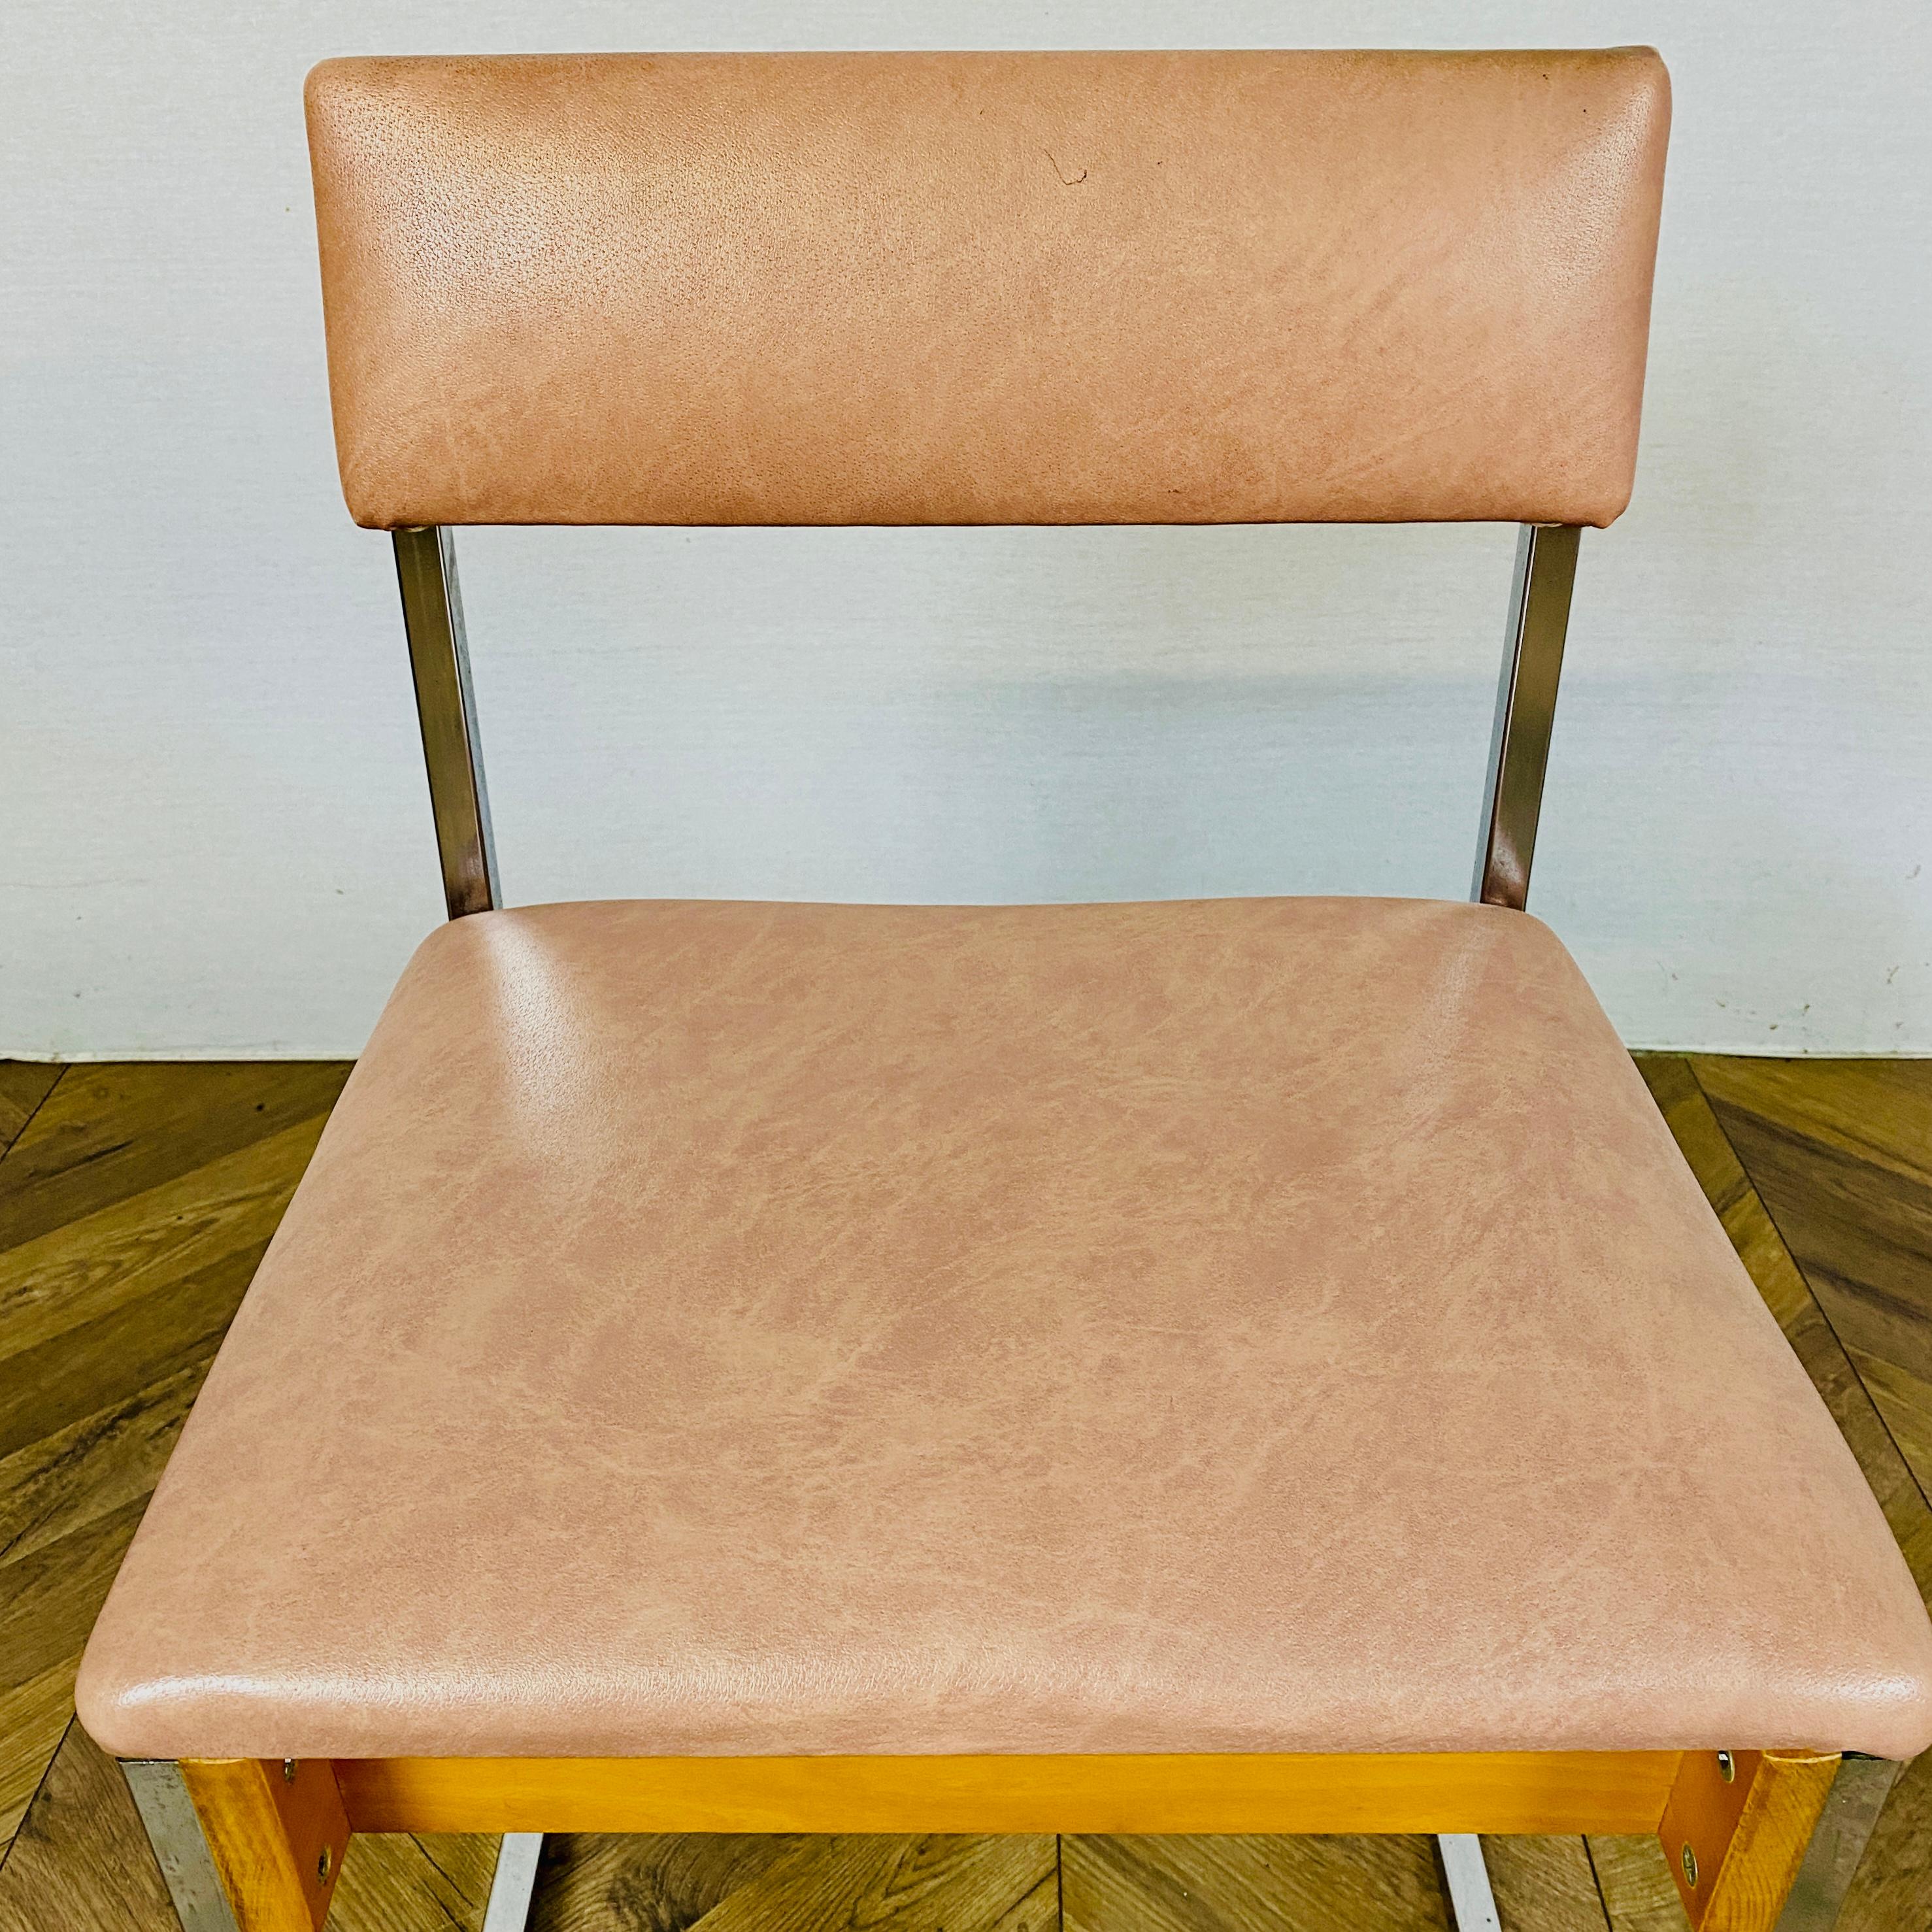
<point x="214" y="836"/>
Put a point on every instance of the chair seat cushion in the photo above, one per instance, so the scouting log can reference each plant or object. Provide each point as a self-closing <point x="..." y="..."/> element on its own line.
<point x="1253" y="1325"/>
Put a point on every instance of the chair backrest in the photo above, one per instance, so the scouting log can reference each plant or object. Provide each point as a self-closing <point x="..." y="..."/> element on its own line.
<point x="1067" y="288"/>
<point x="980" y="288"/>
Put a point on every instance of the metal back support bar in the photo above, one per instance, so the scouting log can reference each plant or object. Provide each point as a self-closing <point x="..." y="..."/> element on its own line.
<point x="446" y="709"/>
<point x="1545" y="570"/>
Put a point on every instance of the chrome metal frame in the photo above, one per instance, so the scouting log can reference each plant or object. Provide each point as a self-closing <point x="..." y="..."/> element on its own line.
<point x="446" y="709"/>
<point x="514" y="1885"/>
<point x="1466" y="1878"/>
<point x="1539" y="619"/>
<point x="1838" y="1842"/>
<point x="181" y="1848"/>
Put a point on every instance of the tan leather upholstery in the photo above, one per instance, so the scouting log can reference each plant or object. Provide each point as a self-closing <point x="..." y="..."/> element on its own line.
<point x="988" y="288"/>
<point x="1244" y="1326"/>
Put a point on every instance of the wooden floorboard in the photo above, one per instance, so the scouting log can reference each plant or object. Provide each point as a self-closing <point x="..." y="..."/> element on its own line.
<point x="734" y="1884"/>
<point x="661" y="1882"/>
<point x="1843" y="1162"/>
<point x="907" y="1884"/>
<point x="81" y="1859"/>
<point x="1238" y="1884"/>
<point x="109" y="1132"/>
<point x="398" y="1884"/>
<point x="1634" y="1885"/>
<point x="24" y="1085"/>
<point x="1788" y="1292"/>
<point x="1835" y="1158"/>
<point x="135" y="1201"/>
<point x="1546" y="1883"/>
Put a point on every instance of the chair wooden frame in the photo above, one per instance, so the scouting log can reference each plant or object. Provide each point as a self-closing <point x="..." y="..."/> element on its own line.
<point x="1756" y="1840"/>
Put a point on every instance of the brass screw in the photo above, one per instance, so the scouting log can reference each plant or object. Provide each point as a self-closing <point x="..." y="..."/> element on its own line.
<point x="1690" y="1864"/>
<point x="288" y="1771"/>
<point x="322" y="1863"/>
<point x="1727" y="1768"/>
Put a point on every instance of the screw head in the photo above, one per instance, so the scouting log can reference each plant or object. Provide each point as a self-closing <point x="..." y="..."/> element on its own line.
<point x="1690" y="1864"/>
<point x="1727" y="1768"/>
<point x="326" y="1860"/>
<point x="288" y="1771"/>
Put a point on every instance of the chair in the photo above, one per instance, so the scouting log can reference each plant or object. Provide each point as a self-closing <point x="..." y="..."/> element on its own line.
<point x="1214" y="1367"/>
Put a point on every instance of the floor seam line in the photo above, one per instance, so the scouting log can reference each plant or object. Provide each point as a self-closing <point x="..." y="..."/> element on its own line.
<point x="1824" y="1313"/>
<point x="40" y="1786"/>
<point x="33" y="1114"/>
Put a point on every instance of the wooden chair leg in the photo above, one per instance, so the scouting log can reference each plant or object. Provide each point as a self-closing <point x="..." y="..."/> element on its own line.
<point x="1768" y="1841"/>
<point x="245" y="1845"/>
